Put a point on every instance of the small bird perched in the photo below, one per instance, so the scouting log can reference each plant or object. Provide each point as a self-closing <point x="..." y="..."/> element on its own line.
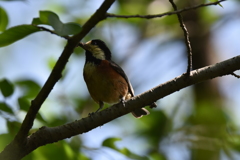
<point x="106" y="81"/>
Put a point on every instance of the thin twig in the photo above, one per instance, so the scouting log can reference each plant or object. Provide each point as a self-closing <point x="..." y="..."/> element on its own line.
<point x="186" y="37"/>
<point x="52" y="32"/>
<point x="235" y="75"/>
<point x="110" y="15"/>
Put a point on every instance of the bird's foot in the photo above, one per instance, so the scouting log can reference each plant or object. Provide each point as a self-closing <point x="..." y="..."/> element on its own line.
<point x="91" y="114"/>
<point x="123" y="102"/>
<point x="153" y="105"/>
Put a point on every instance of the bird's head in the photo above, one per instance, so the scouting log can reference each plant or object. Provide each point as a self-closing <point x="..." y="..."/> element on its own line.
<point x="96" y="49"/>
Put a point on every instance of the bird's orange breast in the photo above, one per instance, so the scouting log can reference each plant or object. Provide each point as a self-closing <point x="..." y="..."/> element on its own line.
<point x="104" y="83"/>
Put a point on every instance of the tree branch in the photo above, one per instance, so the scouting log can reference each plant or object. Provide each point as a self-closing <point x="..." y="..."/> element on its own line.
<point x="186" y="38"/>
<point x="235" y="75"/>
<point x="163" y="14"/>
<point x="20" y="139"/>
<point x="46" y="135"/>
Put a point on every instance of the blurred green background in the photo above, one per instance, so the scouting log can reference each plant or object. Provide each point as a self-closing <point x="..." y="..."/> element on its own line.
<point x="200" y="122"/>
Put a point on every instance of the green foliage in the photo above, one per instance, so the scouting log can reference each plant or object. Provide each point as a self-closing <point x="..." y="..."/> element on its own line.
<point x="52" y="19"/>
<point x="110" y="143"/>
<point x="206" y="127"/>
<point x="3" y="19"/>
<point x="160" y="125"/>
<point x="126" y="6"/>
<point x="13" y="127"/>
<point x="23" y="103"/>
<point x="217" y="4"/>
<point x="30" y="90"/>
<point x="157" y="156"/>
<point x="16" y="33"/>
<point x="6" y="108"/>
<point x="60" y="151"/>
<point x="6" y="88"/>
<point x="29" y="87"/>
<point x="5" y="139"/>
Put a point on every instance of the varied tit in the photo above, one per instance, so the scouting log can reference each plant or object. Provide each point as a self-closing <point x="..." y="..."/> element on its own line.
<point x="106" y="81"/>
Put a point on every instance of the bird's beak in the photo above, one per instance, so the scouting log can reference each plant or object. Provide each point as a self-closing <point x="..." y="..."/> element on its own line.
<point x="86" y="46"/>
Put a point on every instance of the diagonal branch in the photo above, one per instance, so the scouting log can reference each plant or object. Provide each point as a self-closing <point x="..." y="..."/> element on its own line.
<point x="58" y="68"/>
<point x="186" y="38"/>
<point x="46" y="135"/>
<point x="163" y="14"/>
<point x="20" y="139"/>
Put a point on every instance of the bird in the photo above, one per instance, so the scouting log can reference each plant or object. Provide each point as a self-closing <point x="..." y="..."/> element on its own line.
<point x="106" y="81"/>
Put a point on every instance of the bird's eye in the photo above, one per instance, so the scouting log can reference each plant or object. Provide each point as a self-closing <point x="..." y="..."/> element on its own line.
<point x="94" y="43"/>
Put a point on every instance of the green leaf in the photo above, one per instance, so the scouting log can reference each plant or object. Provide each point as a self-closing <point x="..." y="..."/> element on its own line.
<point x="13" y="127"/>
<point x="52" y="19"/>
<point x="23" y="103"/>
<point x="16" y="33"/>
<point x="76" y="143"/>
<point x="40" y="117"/>
<point x="132" y="155"/>
<point x="6" y="88"/>
<point x="36" y="21"/>
<point x="44" y="16"/>
<point x="5" y="139"/>
<point x="110" y="142"/>
<point x="51" y="62"/>
<point x="70" y="29"/>
<point x="220" y="5"/>
<point x="59" y="150"/>
<point x="6" y="108"/>
<point x="217" y="3"/>
<point x="29" y="87"/>
<point x="157" y="156"/>
<point x="3" y="19"/>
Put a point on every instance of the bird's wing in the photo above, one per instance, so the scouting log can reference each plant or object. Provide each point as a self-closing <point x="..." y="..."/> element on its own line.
<point x="122" y="73"/>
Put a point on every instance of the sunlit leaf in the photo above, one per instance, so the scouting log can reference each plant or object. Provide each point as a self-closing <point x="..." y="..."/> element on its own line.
<point x="16" y="33"/>
<point x="132" y="155"/>
<point x="217" y="3"/>
<point x="44" y="16"/>
<point x="3" y="19"/>
<point x="5" y="107"/>
<point x="110" y="142"/>
<point x="220" y="5"/>
<point x="51" y="62"/>
<point x="6" y="88"/>
<point x="157" y="156"/>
